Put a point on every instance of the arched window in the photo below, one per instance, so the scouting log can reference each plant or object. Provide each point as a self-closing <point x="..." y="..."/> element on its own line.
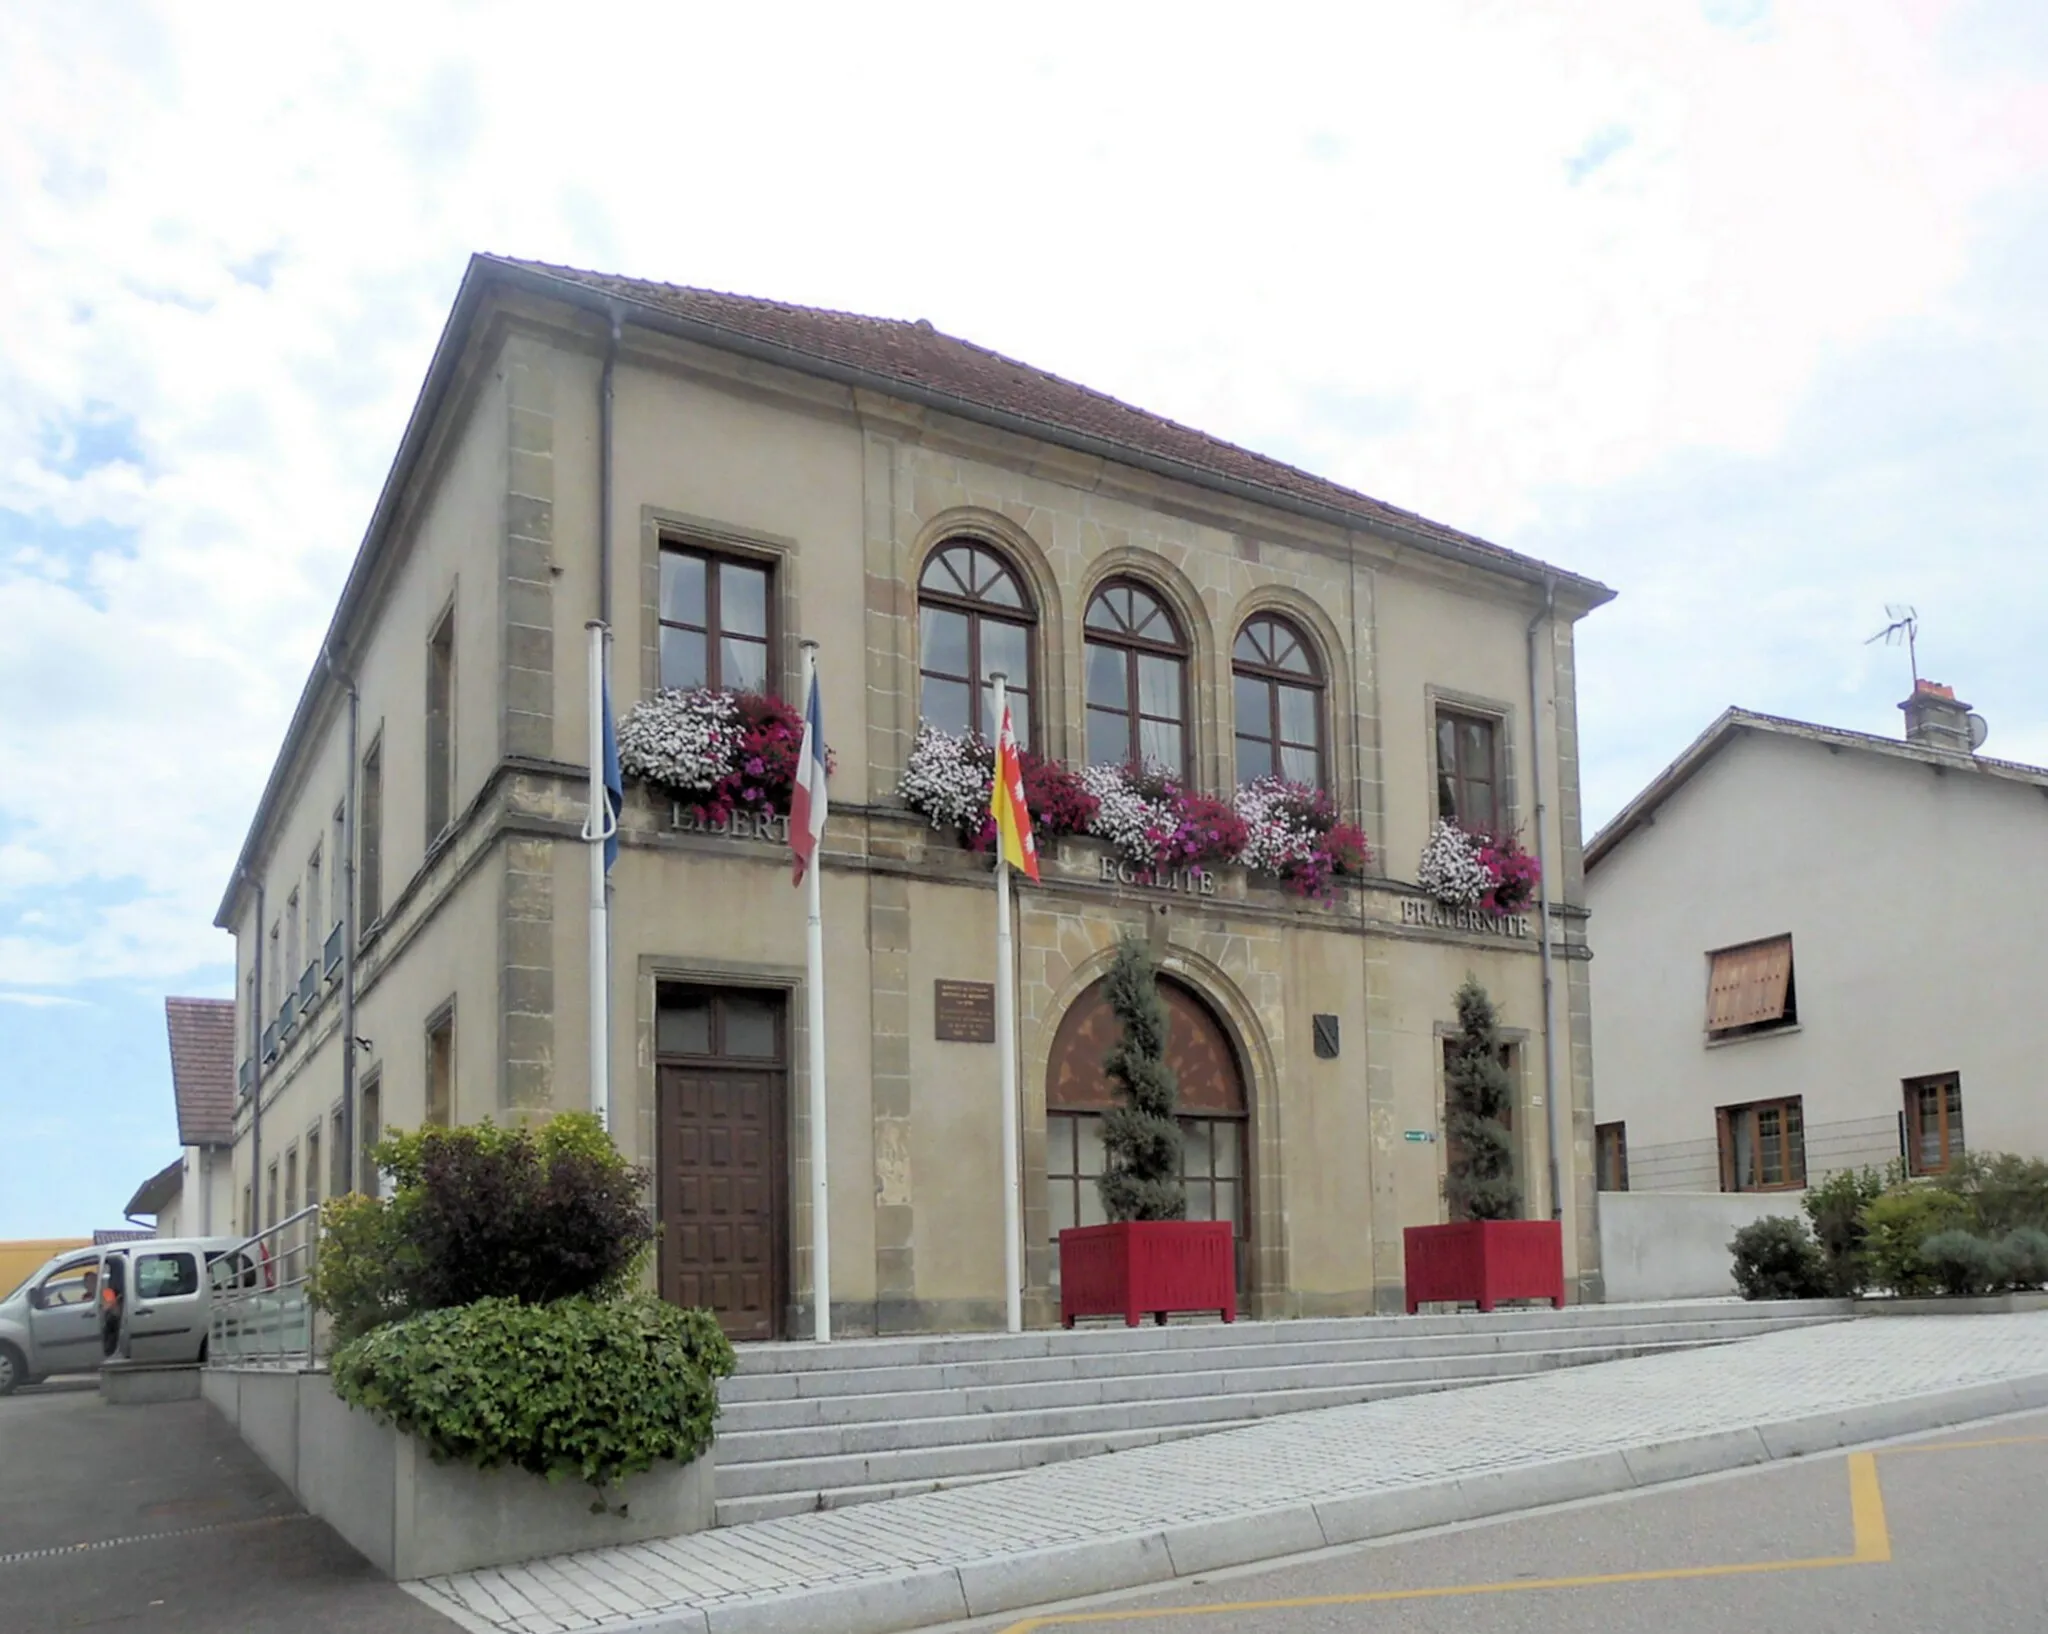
<point x="1137" y="680"/>
<point x="1279" y="692"/>
<point x="973" y="621"/>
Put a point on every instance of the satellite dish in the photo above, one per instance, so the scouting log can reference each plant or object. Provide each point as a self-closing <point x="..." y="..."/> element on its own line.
<point x="1980" y="729"/>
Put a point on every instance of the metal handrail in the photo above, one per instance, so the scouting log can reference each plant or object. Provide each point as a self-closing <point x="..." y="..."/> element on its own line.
<point x="260" y="1310"/>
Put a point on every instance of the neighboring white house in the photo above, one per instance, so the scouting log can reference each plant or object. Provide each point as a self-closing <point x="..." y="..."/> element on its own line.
<point x="1817" y="949"/>
<point x="193" y="1196"/>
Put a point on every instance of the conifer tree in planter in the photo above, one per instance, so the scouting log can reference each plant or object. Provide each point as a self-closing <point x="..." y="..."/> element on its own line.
<point x="1149" y="1257"/>
<point x="1487" y="1253"/>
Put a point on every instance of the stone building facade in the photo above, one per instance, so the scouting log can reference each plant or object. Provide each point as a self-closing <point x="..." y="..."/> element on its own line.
<point x="759" y="473"/>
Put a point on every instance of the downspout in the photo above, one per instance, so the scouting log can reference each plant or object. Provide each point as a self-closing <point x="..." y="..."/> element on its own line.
<point x="256" y="1072"/>
<point x="1536" y="736"/>
<point x="346" y="862"/>
<point x="600" y="668"/>
<point x="604" y="480"/>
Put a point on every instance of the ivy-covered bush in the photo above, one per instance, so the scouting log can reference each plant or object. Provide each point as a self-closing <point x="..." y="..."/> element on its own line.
<point x="592" y="1389"/>
<point x="1777" y="1258"/>
<point x="1835" y="1209"/>
<point x="1479" y="1179"/>
<point x="483" y="1212"/>
<point x="1141" y="1177"/>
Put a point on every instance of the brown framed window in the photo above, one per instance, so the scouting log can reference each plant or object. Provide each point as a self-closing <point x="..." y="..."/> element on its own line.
<point x="723" y="1024"/>
<point x="1277" y="685"/>
<point x="1469" y="777"/>
<point x="1750" y="989"/>
<point x="1610" y="1156"/>
<point x="973" y="621"/>
<point x="717" y="620"/>
<point x="1763" y="1146"/>
<point x="441" y="1067"/>
<point x="1137" y="671"/>
<point x="440" y="771"/>
<point x="1934" y="1122"/>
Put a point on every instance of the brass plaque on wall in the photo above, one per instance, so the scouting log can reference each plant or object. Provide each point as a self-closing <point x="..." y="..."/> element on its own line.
<point x="964" y="1012"/>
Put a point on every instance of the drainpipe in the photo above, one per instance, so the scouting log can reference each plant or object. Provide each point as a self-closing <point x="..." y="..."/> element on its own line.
<point x="256" y="1071"/>
<point x="600" y="800"/>
<point x="346" y="862"/>
<point x="1536" y="735"/>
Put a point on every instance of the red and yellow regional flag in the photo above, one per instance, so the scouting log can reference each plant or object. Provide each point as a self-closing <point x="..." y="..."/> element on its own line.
<point x="1006" y="804"/>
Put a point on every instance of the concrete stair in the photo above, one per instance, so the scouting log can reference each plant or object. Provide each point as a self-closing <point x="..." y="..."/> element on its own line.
<point x="805" y="1427"/>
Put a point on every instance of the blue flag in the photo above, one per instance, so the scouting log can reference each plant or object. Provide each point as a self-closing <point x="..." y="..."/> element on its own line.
<point x="614" y="784"/>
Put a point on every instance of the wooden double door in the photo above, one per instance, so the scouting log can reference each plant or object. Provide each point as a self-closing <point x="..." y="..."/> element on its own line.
<point x="722" y="1183"/>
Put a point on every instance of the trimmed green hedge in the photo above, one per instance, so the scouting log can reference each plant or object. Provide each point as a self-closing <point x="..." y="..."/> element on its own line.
<point x="597" y="1389"/>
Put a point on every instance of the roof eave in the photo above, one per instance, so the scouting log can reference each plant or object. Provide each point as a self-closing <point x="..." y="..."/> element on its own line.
<point x="652" y="316"/>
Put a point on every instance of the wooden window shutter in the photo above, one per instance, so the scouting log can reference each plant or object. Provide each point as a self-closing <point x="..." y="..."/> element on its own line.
<point x="1748" y="985"/>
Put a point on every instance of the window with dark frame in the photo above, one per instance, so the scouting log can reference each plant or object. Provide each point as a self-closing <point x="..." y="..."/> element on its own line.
<point x="1469" y="776"/>
<point x="724" y="1024"/>
<point x="717" y="620"/>
<point x="441" y="1067"/>
<point x="312" y="1165"/>
<point x="315" y="905"/>
<point x="337" y="1156"/>
<point x="973" y="621"/>
<point x="1136" y="683"/>
<point x="1763" y="1145"/>
<point x="370" y="840"/>
<point x="1751" y="990"/>
<point x="1211" y="1169"/>
<point x="270" y="1197"/>
<point x="441" y="727"/>
<point x="1277" y="688"/>
<point x="1934" y="1122"/>
<point x="370" y="1129"/>
<point x="338" y="852"/>
<point x="1610" y="1156"/>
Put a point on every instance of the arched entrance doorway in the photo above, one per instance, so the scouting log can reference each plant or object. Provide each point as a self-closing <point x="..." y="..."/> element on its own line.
<point x="1215" y="1113"/>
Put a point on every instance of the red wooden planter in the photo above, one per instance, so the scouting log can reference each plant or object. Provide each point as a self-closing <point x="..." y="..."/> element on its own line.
<point x="1134" y="1266"/>
<point x="1485" y="1261"/>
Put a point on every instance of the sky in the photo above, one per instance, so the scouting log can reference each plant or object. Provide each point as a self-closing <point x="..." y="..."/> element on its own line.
<point x="1733" y="304"/>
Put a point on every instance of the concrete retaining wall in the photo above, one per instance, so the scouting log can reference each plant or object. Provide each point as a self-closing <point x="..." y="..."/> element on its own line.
<point x="1674" y="1245"/>
<point x="412" y="1517"/>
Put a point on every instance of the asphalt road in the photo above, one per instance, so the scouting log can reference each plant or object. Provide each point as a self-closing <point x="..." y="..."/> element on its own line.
<point x="1934" y="1534"/>
<point x="159" y="1519"/>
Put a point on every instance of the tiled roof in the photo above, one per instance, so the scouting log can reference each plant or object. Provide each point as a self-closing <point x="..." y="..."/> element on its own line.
<point x="203" y="1069"/>
<point x="1733" y="722"/>
<point x="922" y="359"/>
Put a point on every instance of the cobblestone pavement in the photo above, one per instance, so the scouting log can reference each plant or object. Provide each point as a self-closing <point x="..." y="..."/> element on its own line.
<point x="1376" y="1447"/>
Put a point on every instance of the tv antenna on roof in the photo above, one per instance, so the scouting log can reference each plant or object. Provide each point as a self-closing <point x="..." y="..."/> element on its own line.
<point x="1905" y="623"/>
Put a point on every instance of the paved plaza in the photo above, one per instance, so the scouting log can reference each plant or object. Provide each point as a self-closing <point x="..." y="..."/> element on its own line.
<point x="1279" y="1488"/>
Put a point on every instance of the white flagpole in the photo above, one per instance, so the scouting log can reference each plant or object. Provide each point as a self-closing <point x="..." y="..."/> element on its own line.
<point x="814" y="985"/>
<point x="596" y="830"/>
<point x="1006" y="1043"/>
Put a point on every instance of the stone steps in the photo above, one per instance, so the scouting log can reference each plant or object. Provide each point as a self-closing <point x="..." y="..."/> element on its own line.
<point x="805" y="1427"/>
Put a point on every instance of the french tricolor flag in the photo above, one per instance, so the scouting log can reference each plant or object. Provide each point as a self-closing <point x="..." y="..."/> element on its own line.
<point x="807" y="800"/>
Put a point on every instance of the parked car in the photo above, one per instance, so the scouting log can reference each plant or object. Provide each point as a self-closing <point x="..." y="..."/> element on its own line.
<point x="147" y="1300"/>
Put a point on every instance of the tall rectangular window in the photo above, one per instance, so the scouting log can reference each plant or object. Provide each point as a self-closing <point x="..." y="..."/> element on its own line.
<point x="1763" y="1146"/>
<point x="1610" y="1156"/>
<point x="370" y="819"/>
<point x="441" y="727"/>
<point x="316" y="930"/>
<point x="275" y="982"/>
<point x="339" y="852"/>
<point x="1934" y="1122"/>
<point x="369" y="1126"/>
<point x="312" y="1165"/>
<point x="291" y="939"/>
<point x="270" y="1198"/>
<point x="291" y="1182"/>
<point x="716" y="623"/>
<point x="1468" y="772"/>
<point x="1750" y="989"/>
<point x="441" y="1067"/>
<point x="337" y="1149"/>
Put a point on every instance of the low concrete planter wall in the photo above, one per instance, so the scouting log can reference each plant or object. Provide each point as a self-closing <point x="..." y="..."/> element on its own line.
<point x="1674" y="1245"/>
<point x="413" y="1517"/>
<point x="142" y="1384"/>
<point x="1951" y="1305"/>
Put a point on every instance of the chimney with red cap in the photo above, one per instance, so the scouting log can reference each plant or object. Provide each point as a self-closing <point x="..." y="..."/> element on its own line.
<point x="1936" y="720"/>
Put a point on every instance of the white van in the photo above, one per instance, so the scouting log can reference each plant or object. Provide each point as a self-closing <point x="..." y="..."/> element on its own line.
<point x="146" y="1300"/>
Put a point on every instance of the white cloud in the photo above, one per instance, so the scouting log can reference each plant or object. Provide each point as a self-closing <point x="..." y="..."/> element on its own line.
<point x="42" y="1001"/>
<point x="1366" y="236"/>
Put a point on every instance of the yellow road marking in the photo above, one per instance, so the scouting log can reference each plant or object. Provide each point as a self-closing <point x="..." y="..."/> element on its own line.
<point x="1873" y="1547"/>
<point x="1967" y="1446"/>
